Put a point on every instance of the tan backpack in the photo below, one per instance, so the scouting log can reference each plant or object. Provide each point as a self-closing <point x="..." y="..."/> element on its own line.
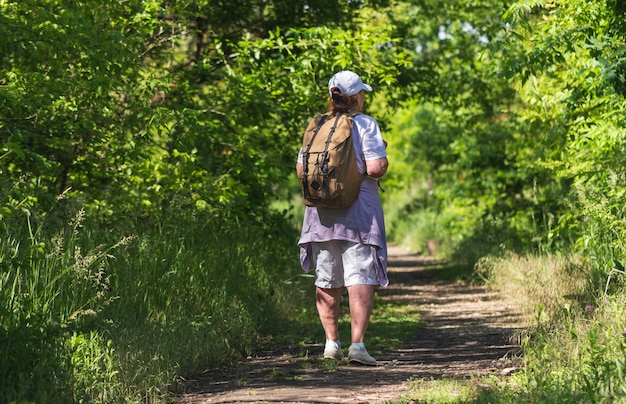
<point x="330" y="178"/>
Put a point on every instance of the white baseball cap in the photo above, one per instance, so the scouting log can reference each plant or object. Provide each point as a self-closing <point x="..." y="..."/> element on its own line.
<point x="349" y="83"/>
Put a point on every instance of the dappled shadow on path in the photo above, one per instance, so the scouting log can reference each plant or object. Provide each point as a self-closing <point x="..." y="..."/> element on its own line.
<point x="466" y="332"/>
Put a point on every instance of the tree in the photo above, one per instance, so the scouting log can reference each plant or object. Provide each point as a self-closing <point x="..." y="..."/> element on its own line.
<point x="71" y="78"/>
<point x="152" y="107"/>
<point x="571" y="65"/>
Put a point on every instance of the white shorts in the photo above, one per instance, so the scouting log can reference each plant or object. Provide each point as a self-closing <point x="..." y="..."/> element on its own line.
<point x="341" y="263"/>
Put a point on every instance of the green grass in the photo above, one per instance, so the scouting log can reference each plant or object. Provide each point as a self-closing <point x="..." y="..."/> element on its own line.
<point x="122" y="314"/>
<point x="391" y="325"/>
<point x="441" y="391"/>
<point x="574" y="346"/>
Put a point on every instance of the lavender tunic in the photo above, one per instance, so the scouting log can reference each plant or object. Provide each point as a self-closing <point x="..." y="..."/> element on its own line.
<point x="363" y="222"/>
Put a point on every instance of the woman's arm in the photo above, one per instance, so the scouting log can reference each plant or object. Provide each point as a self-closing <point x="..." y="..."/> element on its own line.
<point x="376" y="168"/>
<point x="299" y="169"/>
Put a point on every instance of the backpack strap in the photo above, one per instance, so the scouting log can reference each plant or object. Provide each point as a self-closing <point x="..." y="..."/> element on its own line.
<point x="324" y="154"/>
<point x="305" y="156"/>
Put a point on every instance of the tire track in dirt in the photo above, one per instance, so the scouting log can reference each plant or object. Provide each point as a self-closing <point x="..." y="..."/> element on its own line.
<point x="467" y="333"/>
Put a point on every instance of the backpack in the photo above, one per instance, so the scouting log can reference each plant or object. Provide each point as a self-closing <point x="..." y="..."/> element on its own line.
<point x="330" y="177"/>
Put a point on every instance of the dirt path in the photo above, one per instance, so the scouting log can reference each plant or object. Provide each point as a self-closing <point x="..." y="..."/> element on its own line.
<point x="467" y="333"/>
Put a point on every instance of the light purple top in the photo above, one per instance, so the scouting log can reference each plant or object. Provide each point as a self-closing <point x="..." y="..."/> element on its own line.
<point x="363" y="222"/>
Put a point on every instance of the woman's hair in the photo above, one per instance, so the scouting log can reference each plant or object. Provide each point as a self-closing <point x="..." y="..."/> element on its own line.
<point x="339" y="102"/>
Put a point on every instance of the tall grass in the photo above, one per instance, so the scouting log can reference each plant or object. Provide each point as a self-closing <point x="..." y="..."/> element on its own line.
<point x="574" y="348"/>
<point x="121" y="314"/>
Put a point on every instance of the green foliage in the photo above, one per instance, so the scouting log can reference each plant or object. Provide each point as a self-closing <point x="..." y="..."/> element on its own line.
<point x="142" y="106"/>
<point x="176" y="124"/>
<point x="94" y="368"/>
<point x="179" y="124"/>
<point x="568" y="63"/>
<point x="67" y="86"/>
<point x="516" y="143"/>
<point x="459" y="148"/>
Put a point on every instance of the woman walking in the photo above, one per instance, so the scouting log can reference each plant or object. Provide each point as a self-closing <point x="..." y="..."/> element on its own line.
<point x="348" y="247"/>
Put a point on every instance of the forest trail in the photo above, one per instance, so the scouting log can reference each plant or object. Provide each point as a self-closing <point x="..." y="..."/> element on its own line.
<point x="467" y="332"/>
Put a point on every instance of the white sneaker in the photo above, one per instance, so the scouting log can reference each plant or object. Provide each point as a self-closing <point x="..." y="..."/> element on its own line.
<point x="333" y="351"/>
<point x="359" y="355"/>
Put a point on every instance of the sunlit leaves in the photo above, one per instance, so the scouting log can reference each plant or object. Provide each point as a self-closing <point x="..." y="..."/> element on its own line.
<point x="571" y="64"/>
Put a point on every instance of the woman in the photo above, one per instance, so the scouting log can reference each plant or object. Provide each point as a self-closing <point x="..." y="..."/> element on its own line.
<point x="348" y="247"/>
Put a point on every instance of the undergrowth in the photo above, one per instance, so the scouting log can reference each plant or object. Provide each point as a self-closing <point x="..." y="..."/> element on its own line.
<point x="574" y="344"/>
<point x="122" y="313"/>
<point x="574" y="347"/>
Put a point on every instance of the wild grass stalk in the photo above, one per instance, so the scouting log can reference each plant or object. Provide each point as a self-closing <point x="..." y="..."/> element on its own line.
<point x="52" y="289"/>
<point x="574" y="347"/>
<point x="93" y="314"/>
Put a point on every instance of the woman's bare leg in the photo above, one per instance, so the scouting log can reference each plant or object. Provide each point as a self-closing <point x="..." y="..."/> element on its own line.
<point x="327" y="302"/>
<point x="361" y="299"/>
